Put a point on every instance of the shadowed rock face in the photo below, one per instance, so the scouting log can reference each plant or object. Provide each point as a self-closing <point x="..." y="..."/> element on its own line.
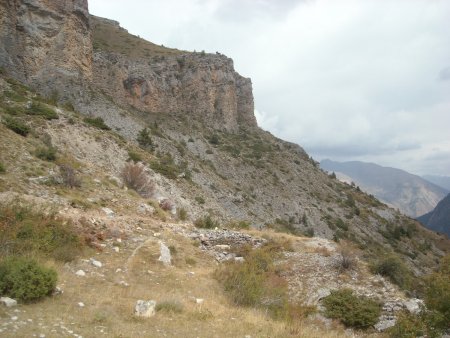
<point x="42" y="40"/>
<point x="438" y="219"/>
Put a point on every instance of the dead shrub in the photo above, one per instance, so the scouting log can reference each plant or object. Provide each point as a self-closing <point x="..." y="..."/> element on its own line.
<point x="166" y="204"/>
<point x="346" y="260"/>
<point x="136" y="178"/>
<point x="69" y="176"/>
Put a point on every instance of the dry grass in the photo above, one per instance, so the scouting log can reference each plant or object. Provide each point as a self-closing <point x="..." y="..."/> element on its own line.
<point x="113" y="39"/>
<point x="109" y="305"/>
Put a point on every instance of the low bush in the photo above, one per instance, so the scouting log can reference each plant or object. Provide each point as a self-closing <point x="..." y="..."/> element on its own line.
<point x="353" y="311"/>
<point x="182" y="214"/>
<point x="200" y="200"/>
<point x="144" y="139"/>
<point x="166" y="166"/>
<point x="25" y="279"/>
<point x="256" y="283"/>
<point x="16" y="125"/>
<point x="346" y="260"/>
<point x="136" y="178"/>
<point x="40" y="109"/>
<point x="206" y="222"/>
<point x="392" y="267"/>
<point x="46" y="153"/>
<point x="96" y="122"/>
<point x="135" y="157"/>
<point x="26" y="230"/>
<point x="2" y="168"/>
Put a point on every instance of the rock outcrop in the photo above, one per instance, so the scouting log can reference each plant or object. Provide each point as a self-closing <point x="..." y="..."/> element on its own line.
<point x="45" y="41"/>
<point x="199" y="85"/>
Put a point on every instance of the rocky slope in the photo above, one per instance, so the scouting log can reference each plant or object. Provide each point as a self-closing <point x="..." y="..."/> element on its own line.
<point x="442" y="181"/>
<point x="204" y="154"/>
<point x="439" y="218"/>
<point x="409" y="193"/>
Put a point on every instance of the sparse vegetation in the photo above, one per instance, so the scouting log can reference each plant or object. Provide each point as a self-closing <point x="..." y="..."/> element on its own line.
<point x="133" y="156"/>
<point x="136" y="178"/>
<point x="96" y="122"/>
<point x="2" y="168"/>
<point x="170" y="306"/>
<point x="69" y="176"/>
<point x="166" y="204"/>
<point x="46" y="153"/>
<point x="28" y="231"/>
<point x="206" y="222"/>
<point x="24" y="279"/>
<point x="16" y="125"/>
<point x="353" y="311"/>
<point x="392" y="267"/>
<point x="39" y="109"/>
<point x="256" y="282"/>
<point x="182" y="214"/>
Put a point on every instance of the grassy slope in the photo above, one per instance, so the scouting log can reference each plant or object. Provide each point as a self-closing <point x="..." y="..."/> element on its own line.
<point x="112" y="38"/>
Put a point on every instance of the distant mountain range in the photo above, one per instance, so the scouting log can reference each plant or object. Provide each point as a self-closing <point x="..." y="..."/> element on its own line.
<point x="442" y="181"/>
<point x="438" y="219"/>
<point x="411" y="194"/>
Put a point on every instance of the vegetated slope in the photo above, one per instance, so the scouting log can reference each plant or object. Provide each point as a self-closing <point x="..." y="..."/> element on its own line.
<point x="442" y="181"/>
<point x="438" y="219"/>
<point x="199" y="114"/>
<point x="409" y="193"/>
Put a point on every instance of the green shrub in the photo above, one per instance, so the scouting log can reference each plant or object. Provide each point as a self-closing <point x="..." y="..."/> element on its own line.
<point x="144" y="139"/>
<point x="2" y="168"/>
<point x="353" y="311"/>
<point x="166" y="166"/>
<point x="96" y="122"/>
<point x="46" y="153"/>
<point x="200" y="200"/>
<point x="414" y="325"/>
<point x="16" y="125"/>
<point x="25" y="280"/>
<point x="256" y="283"/>
<point x="393" y="268"/>
<point x="135" y="157"/>
<point x="206" y="222"/>
<point x="182" y="214"/>
<point x="39" y="109"/>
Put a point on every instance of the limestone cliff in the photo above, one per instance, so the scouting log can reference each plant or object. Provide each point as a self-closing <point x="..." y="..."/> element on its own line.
<point x="203" y="86"/>
<point x="45" y="40"/>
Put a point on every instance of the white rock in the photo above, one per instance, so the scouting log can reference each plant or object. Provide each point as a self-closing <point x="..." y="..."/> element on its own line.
<point x="239" y="259"/>
<point x="109" y="212"/>
<point x="222" y="246"/>
<point x="80" y="273"/>
<point x="199" y="300"/>
<point x="165" y="256"/>
<point x="144" y="308"/>
<point x="14" y="318"/>
<point x="8" y="302"/>
<point x="413" y="305"/>
<point x="96" y="263"/>
<point x="157" y="234"/>
<point x="81" y="304"/>
<point x="119" y="240"/>
<point x="116" y="249"/>
<point x="383" y="325"/>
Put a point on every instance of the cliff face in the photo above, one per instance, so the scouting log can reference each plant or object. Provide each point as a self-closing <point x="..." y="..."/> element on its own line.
<point x="43" y="40"/>
<point x="202" y="86"/>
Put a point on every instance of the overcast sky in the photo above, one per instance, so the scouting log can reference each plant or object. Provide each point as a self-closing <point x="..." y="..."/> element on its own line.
<point x="361" y="80"/>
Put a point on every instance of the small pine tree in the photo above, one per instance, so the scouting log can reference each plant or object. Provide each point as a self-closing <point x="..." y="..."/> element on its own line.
<point x="144" y="139"/>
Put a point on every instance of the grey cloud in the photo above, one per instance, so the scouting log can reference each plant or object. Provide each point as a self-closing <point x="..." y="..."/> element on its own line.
<point x="444" y="74"/>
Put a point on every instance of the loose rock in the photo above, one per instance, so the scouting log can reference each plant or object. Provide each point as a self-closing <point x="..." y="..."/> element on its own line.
<point x="8" y="302"/>
<point x="144" y="308"/>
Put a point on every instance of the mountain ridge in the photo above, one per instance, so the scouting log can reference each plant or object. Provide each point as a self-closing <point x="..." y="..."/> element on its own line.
<point x="410" y="193"/>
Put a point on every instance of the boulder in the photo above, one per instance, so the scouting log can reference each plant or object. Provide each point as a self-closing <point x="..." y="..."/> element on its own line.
<point x="8" y="302"/>
<point x="144" y="308"/>
<point x="80" y="273"/>
<point x="109" y="212"/>
<point x="413" y="305"/>
<point x="165" y="256"/>
<point x="96" y="263"/>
